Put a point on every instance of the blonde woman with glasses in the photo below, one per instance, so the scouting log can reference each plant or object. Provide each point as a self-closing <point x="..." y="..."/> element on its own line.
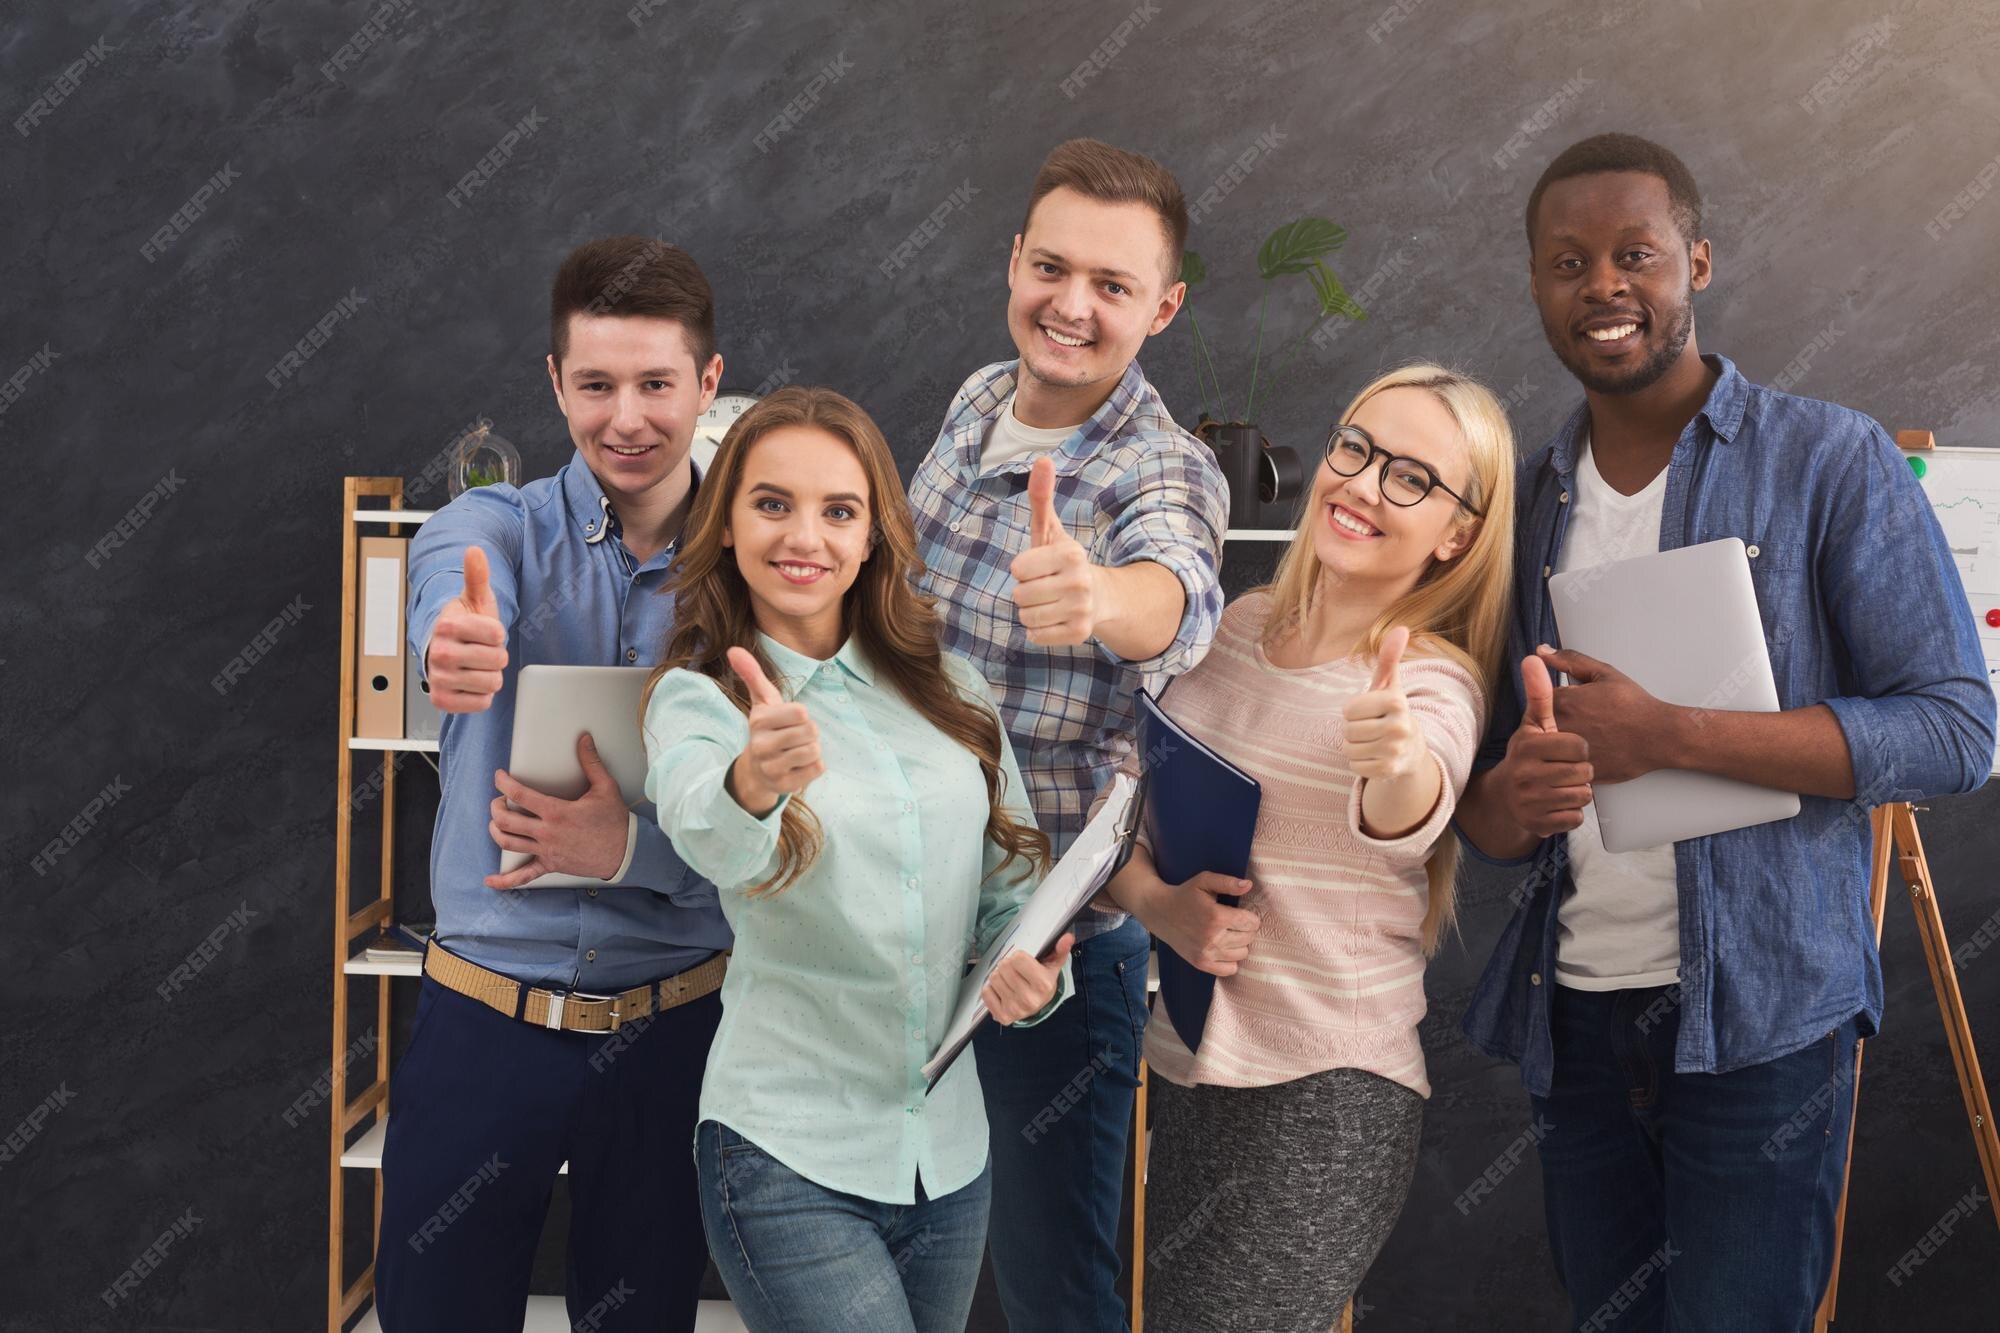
<point x="1353" y="689"/>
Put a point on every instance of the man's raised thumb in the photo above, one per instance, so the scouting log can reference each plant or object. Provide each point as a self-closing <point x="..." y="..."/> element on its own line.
<point x="1541" y="694"/>
<point x="1045" y="528"/>
<point x="478" y="593"/>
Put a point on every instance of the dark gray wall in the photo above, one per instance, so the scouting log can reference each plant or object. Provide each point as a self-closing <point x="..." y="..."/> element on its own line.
<point x="1827" y="135"/>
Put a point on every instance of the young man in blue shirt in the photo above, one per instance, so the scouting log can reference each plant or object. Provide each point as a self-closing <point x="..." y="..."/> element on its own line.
<point x="1072" y="535"/>
<point x="560" y="1024"/>
<point x="1685" y="1017"/>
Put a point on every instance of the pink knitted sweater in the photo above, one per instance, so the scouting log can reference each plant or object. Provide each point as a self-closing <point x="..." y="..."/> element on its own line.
<point x="1335" y="976"/>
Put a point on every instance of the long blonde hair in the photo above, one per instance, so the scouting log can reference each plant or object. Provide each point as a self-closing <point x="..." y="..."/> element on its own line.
<point x="894" y="623"/>
<point x="1460" y="607"/>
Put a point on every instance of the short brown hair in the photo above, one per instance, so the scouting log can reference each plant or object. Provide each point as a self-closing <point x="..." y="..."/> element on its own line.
<point x="1098" y="171"/>
<point x="1625" y="152"/>
<point x="634" y="276"/>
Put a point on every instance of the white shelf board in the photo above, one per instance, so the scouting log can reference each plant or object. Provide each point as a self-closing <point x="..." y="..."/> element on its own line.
<point x="366" y="1151"/>
<point x="362" y="966"/>
<point x="389" y="743"/>
<point x="1258" y="535"/>
<point x="392" y="515"/>
<point x="547" y="1314"/>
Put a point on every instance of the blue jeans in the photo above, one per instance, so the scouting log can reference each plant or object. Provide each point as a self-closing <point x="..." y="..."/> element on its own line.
<point x="485" y="1110"/>
<point x="1699" y="1203"/>
<point x="801" y="1258"/>
<point x="1059" y="1104"/>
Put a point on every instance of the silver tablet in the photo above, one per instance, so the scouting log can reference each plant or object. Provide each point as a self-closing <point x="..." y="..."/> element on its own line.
<point x="1683" y="624"/>
<point x="553" y="707"/>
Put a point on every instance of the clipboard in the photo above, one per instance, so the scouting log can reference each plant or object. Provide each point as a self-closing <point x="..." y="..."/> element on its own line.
<point x="1098" y="853"/>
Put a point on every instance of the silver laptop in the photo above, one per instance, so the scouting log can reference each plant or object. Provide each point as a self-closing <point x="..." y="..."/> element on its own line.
<point x="1684" y="625"/>
<point x="553" y="707"/>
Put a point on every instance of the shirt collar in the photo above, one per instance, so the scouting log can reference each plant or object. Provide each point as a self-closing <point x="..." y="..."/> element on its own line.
<point x="985" y="404"/>
<point x="590" y="508"/>
<point x="798" y="669"/>
<point x="1724" y="409"/>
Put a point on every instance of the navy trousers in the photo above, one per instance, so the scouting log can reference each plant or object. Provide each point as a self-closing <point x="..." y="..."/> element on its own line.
<point x="485" y="1110"/>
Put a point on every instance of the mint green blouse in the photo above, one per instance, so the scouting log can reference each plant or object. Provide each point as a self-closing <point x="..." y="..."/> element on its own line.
<point x="842" y="985"/>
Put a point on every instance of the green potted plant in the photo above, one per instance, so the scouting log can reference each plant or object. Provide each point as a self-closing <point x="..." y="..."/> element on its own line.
<point x="1240" y="447"/>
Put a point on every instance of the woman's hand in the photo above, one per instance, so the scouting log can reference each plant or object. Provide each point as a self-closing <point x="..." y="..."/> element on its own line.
<point x="1020" y="986"/>
<point x="1383" y="741"/>
<point x="1211" y="935"/>
<point x="782" y="754"/>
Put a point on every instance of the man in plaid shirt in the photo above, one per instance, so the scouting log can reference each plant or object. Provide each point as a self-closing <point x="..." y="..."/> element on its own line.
<point x="1072" y="535"/>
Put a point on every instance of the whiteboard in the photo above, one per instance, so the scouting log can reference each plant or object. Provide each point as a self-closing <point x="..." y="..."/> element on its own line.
<point x="1964" y="489"/>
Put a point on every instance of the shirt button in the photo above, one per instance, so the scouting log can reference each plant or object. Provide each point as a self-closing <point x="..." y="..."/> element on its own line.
<point x="631" y="654"/>
<point x="1563" y="499"/>
<point x="910" y="881"/>
<point x="1750" y="551"/>
<point x="917" y="958"/>
<point x="590" y="957"/>
<point x="908" y="806"/>
<point x="1548" y="570"/>
<point x="1534" y="978"/>
<point x="954" y="525"/>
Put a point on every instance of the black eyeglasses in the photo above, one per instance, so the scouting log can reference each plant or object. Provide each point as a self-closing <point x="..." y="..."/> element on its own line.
<point x="1405" y="481"/>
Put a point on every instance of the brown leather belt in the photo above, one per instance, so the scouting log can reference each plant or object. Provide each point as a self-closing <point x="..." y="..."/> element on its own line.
<point x="570" y="1011"/>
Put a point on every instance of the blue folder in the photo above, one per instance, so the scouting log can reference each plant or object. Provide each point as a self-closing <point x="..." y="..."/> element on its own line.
<point x="1200" y="812"/>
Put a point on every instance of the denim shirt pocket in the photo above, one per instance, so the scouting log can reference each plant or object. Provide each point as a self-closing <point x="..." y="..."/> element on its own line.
<point x="1789" y="611"/>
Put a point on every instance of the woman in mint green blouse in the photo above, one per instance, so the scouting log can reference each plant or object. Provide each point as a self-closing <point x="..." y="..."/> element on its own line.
<point x="850" y="792"/>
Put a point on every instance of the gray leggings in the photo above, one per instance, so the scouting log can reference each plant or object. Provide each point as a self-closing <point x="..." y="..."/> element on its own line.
<point x="1265" y="1206"/>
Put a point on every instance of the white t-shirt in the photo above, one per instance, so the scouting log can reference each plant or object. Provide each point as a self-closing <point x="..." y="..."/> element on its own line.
<point x="1620" y="929"/>
<point x="1009" y="439"/>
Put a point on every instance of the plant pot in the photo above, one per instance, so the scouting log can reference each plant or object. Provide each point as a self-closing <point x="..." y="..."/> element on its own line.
<point x="1239" y="452"/>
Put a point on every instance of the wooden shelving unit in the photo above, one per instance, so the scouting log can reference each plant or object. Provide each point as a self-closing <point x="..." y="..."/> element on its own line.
<point x="368" y="1110"/>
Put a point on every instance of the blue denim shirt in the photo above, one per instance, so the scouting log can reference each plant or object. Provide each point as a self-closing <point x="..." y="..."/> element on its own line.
<point x="570" y="594"/>
<point x="1864" y="612"/>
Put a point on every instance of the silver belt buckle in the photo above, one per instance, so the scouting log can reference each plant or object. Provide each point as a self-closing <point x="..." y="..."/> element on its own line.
<point x="558" y="998"/>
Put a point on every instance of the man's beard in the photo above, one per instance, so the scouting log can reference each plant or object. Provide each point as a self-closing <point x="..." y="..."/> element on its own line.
<point x="1635" y="378"/>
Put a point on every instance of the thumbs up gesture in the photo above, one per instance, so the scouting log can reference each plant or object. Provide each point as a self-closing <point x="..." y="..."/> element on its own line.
<point x="1383" y="741"/>
<point x="782" y="754"/>
<point x="1544" y="782"/>
<point x="468" y="648"/>
<point x="1055" y="585"/>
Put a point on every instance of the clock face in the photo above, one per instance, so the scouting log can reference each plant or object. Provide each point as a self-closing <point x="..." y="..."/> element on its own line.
<point x="715" y="423"/>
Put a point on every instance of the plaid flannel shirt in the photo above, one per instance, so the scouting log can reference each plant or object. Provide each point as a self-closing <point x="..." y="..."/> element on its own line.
<point x="1130" y="486"/>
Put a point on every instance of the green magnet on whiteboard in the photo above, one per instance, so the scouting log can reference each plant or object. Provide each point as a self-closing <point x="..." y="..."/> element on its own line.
<point x="1917" y="465"/>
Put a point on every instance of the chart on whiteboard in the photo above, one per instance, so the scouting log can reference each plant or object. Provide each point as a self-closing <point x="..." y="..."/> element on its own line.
<point x="1964" y="490"/>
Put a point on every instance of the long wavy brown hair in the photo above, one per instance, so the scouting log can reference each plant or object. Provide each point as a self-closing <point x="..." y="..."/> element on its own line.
<point x="896" y="625"/>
